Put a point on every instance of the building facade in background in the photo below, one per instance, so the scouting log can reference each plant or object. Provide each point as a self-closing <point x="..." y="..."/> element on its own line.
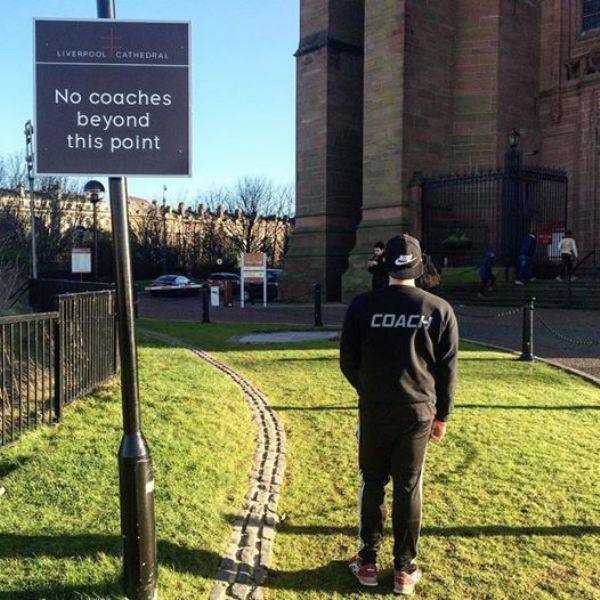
<point x="195" y="235"/>
<point x="390" y="91"/>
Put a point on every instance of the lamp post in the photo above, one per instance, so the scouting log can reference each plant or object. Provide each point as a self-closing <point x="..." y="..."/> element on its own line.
<point x="512" y="217"/>
<point x="136" y="478"/>
<point x="94" y="193"/>
<point x="29" y="159"/>
<point x="513" y="138"/>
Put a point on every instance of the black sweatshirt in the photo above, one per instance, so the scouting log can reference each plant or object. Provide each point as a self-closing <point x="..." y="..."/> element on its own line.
<point x="399" y="345"/>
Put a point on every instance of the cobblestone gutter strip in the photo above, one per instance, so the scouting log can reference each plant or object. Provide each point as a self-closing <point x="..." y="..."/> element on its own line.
<point x="247" y="557"/>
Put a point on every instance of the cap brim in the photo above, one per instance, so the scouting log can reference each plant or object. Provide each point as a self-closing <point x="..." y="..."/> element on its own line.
<point x="413" y="272"/>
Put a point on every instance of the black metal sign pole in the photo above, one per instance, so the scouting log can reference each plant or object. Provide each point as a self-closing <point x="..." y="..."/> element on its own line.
<point x="135" y="464"/>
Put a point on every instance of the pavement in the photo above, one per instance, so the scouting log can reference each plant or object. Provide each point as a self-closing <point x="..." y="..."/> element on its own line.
<point x="573" y="339"/>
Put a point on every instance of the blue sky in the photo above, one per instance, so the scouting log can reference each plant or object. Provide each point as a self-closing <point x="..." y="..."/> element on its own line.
<point x="243" y="83"/>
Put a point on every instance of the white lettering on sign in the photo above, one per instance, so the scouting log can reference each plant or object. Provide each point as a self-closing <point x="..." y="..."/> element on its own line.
<point x="67" y="97"/>
<point x="104" y="122"/>
<point x="390" y="320"/>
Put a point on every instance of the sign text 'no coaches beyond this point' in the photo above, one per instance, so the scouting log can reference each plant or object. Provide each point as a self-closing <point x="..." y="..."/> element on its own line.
<point x="112" y="98"/>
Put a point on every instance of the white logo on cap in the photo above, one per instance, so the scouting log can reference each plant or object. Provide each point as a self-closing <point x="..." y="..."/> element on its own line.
<point x="403" y="259"/>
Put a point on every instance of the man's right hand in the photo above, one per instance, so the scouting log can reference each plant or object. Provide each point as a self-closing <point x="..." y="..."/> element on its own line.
<point x="438" y="430"/>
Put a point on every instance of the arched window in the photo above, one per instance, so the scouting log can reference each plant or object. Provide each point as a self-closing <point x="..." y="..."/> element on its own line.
<point x="590" y="14"/>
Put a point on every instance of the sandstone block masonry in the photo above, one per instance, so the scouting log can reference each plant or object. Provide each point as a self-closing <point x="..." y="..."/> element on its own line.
<point x="390" y="89"/>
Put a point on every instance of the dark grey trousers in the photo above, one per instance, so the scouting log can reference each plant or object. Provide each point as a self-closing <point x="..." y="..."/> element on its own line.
<point x="392" y="445"/>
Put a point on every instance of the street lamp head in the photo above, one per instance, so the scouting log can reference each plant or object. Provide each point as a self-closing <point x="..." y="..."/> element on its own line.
<point x="93" y="191"/>
<point x="513" y="138"/>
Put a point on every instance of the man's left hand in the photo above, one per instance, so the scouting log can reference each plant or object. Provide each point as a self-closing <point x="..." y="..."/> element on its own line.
<point x="438" y="430"/>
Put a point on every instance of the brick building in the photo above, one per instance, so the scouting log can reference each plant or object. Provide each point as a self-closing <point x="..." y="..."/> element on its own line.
<point x="387" y="89"/>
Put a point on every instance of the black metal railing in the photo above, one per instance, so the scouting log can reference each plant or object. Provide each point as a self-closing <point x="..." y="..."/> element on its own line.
<point x="48" y="360"/>
<point x="27" y="348"/>
<point x="88" y="341"/>
<point x="465" y="213"/>
<point x="589" y="260"/>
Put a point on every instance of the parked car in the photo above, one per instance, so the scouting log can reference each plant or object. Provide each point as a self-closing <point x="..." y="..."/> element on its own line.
<point x="253" y="291"/>
<point x="218" y="279"/>
<point x="173" y="285"/>
<point x="256" y="289"/>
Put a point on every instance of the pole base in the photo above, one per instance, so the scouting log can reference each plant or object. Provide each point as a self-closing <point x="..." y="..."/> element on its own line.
<point x="137" y="518"/>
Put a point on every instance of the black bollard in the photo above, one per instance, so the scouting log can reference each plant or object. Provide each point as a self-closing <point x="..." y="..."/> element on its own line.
<point x="527" y="346"/>
<point x="205" y="304"/>
<point x="318" y="312"/>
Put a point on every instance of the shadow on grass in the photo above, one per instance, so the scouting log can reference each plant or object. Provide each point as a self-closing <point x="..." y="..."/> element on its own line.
<point x="352" y="407"/>
<point x="182" y="559"/>
<point x="311" y="408"/>
<point x="333" y="576"/>
<point x="10" y="465"/>
<point x="530" y="407"/>
<point x="464" y="531"/>
<point x="215" y="341"/>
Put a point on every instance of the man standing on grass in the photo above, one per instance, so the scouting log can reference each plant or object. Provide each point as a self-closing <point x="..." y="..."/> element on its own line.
<point x="399" y="350"/>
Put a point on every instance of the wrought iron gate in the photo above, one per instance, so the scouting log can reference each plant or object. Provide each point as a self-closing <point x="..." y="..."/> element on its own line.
<point x="464" y="214"/>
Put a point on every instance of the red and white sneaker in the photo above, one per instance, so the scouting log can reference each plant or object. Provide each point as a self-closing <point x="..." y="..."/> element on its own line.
<point x="404" y="582"/>
<point x="365" y="573"/>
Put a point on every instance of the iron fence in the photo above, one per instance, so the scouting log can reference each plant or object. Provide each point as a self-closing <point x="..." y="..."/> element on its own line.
<point x="464" y="214"/>
<point x="48" y="360"/>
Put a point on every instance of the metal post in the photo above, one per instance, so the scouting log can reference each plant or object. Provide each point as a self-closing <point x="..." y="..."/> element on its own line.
<point x="242" y="282"/>
<point x="164" y="213"/>
<point x="95" y="211"/>
<point x="58" y="369"/>
<point x="318" y="312"/>
<point x="527" y="345"/>
<point x="135" y="464"/>
<point x="205" y="303"/>
<point x="29" y="159"/>
<point x="265" y="280"/>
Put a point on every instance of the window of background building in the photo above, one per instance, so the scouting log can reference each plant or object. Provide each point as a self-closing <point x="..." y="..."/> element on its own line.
<point x="590" y="14"/>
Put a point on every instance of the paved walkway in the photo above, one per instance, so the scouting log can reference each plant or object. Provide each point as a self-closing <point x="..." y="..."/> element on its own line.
<point x="476" y="323"/>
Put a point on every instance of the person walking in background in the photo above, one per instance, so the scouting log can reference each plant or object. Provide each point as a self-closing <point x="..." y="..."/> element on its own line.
<point x="568" y="251"/>
<point x="398" y="349"/>
<point x="377" y="268"/>
<point x="486" y="273"/>
<point x="431" y="278"/>
<point x="526" y="254"/>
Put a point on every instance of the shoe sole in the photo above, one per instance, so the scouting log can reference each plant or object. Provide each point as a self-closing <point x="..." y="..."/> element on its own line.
<point x="367" y="582"/>
<point x="407" y="589"/>
<point x="363" y="581"/>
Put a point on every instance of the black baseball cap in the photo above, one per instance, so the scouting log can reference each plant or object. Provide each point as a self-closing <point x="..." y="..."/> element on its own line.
<point x="403" y="257"/>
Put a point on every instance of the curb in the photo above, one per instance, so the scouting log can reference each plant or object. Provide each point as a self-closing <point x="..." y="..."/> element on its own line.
<point x="589" y="378"/>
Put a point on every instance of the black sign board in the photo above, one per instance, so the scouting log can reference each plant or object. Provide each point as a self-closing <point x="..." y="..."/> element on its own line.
<point x="112" y="98"/>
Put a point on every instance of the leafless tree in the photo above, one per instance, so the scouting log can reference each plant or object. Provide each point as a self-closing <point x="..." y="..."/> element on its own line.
<point x="252" y="198"/>
<point x="13" y="170"/>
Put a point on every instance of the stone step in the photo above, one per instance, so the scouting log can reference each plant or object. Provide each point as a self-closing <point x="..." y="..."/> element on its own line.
<point x="585" y="293"/>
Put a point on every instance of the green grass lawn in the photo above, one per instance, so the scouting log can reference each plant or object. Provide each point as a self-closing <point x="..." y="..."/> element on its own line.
<point x="511" y="494"/>
<point x="59" y="520"/>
